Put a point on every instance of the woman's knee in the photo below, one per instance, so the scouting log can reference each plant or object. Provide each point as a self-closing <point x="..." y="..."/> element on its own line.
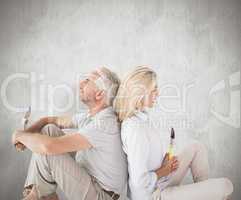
<point x="226" y="186"/>
<point x="198" y="146"/>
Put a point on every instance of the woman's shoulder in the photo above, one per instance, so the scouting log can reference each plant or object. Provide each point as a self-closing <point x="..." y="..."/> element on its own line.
<point x="132" y="122"/>
<point x="138" y="117"/>
<point x="134" y="126"/>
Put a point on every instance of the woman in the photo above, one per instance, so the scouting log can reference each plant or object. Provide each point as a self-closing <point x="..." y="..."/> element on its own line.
<point x="151" y="173"/>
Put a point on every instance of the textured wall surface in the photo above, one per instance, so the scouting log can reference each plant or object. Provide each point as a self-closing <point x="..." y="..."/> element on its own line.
<point x="193" y="45"/>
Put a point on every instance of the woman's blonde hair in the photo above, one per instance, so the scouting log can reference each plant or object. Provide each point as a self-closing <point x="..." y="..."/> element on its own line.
<point x="132" y="91"/>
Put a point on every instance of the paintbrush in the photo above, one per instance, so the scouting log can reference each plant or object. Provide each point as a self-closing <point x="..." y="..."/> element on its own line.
<point x="171" y="145"/>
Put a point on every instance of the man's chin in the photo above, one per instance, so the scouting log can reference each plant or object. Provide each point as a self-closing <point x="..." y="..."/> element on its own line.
<point x="83" y="100"/>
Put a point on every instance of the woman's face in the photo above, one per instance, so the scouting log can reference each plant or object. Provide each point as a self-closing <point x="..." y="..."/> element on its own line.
<point x="151" y="97"/>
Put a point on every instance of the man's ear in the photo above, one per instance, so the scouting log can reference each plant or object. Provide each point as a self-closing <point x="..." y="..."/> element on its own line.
<point x="99" y="95"/>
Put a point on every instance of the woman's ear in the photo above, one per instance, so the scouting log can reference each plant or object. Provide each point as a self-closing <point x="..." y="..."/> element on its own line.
<point x="140" y="103"/>
<point x="99" y="95"/>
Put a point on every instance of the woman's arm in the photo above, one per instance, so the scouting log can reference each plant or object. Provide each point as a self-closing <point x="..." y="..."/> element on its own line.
<point x="167" y="167"/>
<point x="137" y="149"/>
<point x="138" y="154"/>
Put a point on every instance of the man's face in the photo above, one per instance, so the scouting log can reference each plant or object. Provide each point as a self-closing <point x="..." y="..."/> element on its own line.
<point x="88" y="88"/>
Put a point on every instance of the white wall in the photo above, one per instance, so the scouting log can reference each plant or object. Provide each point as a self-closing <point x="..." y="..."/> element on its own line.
<point x="194" y="46"/>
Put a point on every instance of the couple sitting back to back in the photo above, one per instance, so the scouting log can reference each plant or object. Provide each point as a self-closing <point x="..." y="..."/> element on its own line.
<point x="116" y="148"/>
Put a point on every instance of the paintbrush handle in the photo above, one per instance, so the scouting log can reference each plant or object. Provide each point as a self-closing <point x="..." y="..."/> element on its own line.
<point x="171" y="149"/>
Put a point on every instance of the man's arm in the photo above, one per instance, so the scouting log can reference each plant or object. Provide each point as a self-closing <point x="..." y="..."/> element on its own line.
<point x="45" y="144"/>
<point x="61" y="122"/>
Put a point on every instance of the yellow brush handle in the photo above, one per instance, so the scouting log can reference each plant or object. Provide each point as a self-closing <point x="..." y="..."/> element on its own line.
<point x="170" y="152"/>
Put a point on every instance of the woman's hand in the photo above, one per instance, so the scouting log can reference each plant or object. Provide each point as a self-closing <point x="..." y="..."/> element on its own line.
<point x="168" y="166"/>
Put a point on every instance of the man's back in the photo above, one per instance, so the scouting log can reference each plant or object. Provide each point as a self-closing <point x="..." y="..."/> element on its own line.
<point x="106" y="160"/>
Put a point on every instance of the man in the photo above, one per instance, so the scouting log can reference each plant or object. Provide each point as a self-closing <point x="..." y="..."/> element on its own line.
<point x="99" y="170"/>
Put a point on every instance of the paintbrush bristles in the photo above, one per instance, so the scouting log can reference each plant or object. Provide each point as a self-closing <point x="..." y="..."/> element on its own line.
<point x="172" y="134"/>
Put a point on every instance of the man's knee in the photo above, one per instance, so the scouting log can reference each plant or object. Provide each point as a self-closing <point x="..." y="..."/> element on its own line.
<point x="51" y="130"/>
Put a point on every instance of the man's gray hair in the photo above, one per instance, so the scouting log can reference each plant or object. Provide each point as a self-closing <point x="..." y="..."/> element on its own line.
<point x="109" y="82"/>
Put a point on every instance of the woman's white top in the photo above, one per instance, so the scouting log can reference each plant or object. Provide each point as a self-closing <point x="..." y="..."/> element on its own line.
<point x="143" y="145"/>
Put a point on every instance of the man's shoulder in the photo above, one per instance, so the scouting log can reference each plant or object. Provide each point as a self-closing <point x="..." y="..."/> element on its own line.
<point x="107" y="122"/>
<point x="78" y="117"/>
<point x="109" y="125"/>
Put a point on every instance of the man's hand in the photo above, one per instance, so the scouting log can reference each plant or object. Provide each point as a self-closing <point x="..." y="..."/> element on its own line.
<point x="19" y="146"/>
